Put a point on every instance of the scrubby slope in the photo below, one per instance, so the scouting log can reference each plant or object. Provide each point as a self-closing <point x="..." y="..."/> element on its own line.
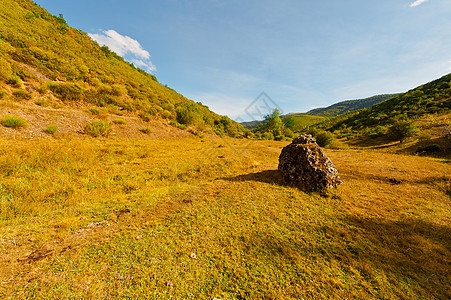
<point x="431" y="98"/>
<point x="41" y="57"/>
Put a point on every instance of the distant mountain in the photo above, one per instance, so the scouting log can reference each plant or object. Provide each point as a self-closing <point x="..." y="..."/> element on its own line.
<point x="296" y="121"/>
<point x="349" y="105"/>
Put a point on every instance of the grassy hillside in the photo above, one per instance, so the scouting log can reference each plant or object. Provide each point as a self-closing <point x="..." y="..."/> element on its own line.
<point x="44" y="60"/>
<point x="419" y="118"/>
<point x="152" y="220"/>
<point x="431" y="98"/>
<point x="349" y="105"/>
<point x="298" y="122"/>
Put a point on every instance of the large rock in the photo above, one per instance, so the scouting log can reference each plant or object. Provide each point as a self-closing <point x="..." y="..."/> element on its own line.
<point x="304" y="164"/>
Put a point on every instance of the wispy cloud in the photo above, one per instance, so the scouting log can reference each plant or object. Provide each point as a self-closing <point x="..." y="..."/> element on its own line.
<point x="418" y="2"/>
<point x="126" y="47"/>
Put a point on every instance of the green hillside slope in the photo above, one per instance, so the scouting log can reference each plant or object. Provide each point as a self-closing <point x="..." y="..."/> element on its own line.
<point x="40" y="52"/>
<point x="349" y="105"/>
<point x="431" y="98"/>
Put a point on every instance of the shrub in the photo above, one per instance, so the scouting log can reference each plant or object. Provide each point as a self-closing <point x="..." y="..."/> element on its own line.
<point x="189" y="114"/>
<point x="94" y="111"/>
<point x="51" y="129"/>
<point x="21" y="95"/>
<point x="288" y="133"/>
<point x="98" y="128"/>
<point x="2" y="94"/>
<point x="324" y="138"/>
<point x="402" y="130"/>
<point x="67" y="91"/>
<point x="43" y="102"/>
<point x="13" y="121"/>
<point x="176" y="124"/>
<point x="119" y="121"/>
<point x="166" y="114"/>
<point x="377" y="131"/>
<point x="145" y="130"/>
<point x="113" y="109"/>
<point x="268" y="136"/>
<point x="14" y="80"/>
<point x="145" y="117"/>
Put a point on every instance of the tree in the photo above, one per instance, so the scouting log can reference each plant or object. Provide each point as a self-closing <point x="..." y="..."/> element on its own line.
<point x="401" y="130"/>
<point x="275" y="124"/>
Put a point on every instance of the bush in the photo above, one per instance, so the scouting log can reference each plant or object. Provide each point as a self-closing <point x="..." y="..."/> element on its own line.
<point x="94" y="111"/>
<point x="51" y="129"/>
<point x="43" y="102"/>
<point x="119" y="121"/>
<point x="67" y="91"/>
<point x="21" y="95"/>
<point x="14" y="80"/>
<point x="13" y="121"/>
<point x="324" y="138"/>
<point x="288" y="133"/>
<point x="98" y="128"/>
<point x="145" y="117"/>
<point x="145" y="130"/>
<point x="268" y="136"/>
<point x="176" y="124"/>
<point x="377" y="131"/>
<point x="2" y="94"/>
<point x="402" y="130"/>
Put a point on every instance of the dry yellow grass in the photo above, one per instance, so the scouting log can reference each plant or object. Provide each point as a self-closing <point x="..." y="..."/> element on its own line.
<point x="202" y="218"/>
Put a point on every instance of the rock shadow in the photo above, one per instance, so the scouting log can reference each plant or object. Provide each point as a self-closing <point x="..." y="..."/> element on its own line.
<point x="267" y="176"/>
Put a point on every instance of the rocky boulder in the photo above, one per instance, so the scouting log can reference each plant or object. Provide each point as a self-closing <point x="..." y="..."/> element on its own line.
<point x="304" y="164"/>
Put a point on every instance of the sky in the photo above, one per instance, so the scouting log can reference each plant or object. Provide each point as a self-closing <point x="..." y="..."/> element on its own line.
<point x="294" y="55"/>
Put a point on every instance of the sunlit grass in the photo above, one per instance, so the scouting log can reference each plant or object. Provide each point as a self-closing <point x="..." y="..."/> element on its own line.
<point x="124" y="218"/>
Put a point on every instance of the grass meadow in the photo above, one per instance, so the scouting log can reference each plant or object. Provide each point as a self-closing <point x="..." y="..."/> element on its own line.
<point x="209" y="218"/>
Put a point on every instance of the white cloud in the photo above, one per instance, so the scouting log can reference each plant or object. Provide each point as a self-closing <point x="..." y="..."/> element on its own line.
<point x="125" y="46"/>
<point x="147" y="65"/>
<point x="418" y="2"/>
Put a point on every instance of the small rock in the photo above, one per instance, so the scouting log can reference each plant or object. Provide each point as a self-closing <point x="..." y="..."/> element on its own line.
<point x="193" y="255"/>
<point x="394" y="181"/>
<point x="170" y="283"/>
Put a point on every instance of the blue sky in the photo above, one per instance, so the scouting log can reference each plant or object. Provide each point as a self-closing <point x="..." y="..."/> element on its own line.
<point x="302" y="54"/>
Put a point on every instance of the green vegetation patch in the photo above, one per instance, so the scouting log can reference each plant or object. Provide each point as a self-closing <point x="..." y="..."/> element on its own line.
<point x="145" y="130"/>
<point x="119" y="121"/>
<point x="51" y="129"/>
<point x="13" y="121"/>
<point x="98" y="128"/>
<point x="21" y="95"/>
